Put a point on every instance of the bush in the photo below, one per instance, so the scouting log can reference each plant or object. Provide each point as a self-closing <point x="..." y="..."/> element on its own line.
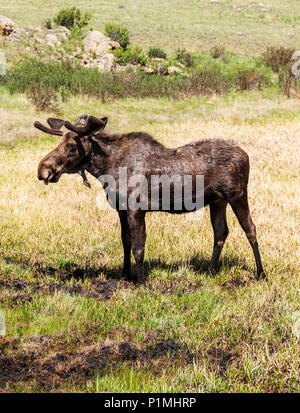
<point x="250" y="79"/>
<point x="43" y="97"/>
<point x="184" y="57"/>
<point x="285" y="78"/>
<point x="118" y="33"/>
<point x="157" y="52"/>
<point x="217" y="51"/>
<point x="133" y="55"/>
<point x="207" y="80"/>
<point x="72" y="18"/>
<point x="47" y="83"/>
<point x="277" y="57"/>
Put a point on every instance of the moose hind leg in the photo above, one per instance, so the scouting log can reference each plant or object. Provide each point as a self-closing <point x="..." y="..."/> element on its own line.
<point x="125" y="235"/>
<point x="219" y="224"/>
<point x="136" y="222"/>
<point x="241" y="209"/>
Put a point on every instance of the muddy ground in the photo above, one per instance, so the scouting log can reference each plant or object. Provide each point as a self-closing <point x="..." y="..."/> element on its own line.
<point x="52" y="361"/>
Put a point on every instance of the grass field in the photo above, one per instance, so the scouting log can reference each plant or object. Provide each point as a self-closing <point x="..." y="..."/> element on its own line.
<point x="72" y="324"/>
<point x="194" y="24"/>
<point x="75" y="326"/>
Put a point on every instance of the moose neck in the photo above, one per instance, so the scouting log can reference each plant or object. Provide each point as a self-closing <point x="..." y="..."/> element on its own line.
<point x="103" y="155"/>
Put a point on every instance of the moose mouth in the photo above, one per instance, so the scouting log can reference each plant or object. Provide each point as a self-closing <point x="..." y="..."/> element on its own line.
<point x="52" y="178"/>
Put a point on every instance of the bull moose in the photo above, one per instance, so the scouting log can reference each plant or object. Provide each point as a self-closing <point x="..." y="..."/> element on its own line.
<point x="223" y="164"/>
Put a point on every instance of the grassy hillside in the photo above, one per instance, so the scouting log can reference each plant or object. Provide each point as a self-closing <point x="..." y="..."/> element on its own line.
<point x="78" y="327"/>
<point x="194" y="24"/>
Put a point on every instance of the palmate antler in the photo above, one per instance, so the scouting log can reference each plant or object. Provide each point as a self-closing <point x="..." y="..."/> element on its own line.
<point x="84" y="125"/>
<point x="50" y="131"/>
<point x="93" y="124"/>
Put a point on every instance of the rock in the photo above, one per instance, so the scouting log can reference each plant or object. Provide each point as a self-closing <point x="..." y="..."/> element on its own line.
<point x="6" y="26"/>
<point x="51" y="40"/>
<point x="148" y="69"/>
<point x="106" y="63"/>
<point x="173" y="69"/>
<point x="132" y="68"/>
<point x="61" y="32"/>
<point x="114" y="45"/>
<point x="97" y="43"/>
<point x="119" y="68"/>
<point x="296" y="55"/>
<point x="158" y="59"/>
<point x="161" y="69"/>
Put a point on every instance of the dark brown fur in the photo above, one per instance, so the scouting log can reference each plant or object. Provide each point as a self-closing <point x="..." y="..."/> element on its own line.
<point x="224" y="165"/>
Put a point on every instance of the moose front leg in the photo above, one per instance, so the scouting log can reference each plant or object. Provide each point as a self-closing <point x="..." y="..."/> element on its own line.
<point x="137" y="228"/>
<point x="125" y="235"/>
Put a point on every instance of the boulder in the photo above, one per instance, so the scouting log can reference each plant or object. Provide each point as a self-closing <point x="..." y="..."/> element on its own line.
<point x="148" y="69"/>
<point x="106" y="63"/>
<point x="6" y="26"/>
<point x="296" y="55"/>
<point x="54" y="37"/>
<point x="173" y="69"/>
<point x="131" y="67"/>
<point x="51" y="40"/>
<point x="61" y="32"/>
<point x="119" y="68"/>
<point x="97" y="43"/>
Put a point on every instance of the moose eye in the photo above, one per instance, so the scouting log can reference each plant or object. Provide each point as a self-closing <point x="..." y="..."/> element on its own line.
<point x="72" y="147"/>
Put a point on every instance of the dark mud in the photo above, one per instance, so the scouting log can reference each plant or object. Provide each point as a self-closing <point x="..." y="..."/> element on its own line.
<point x="233" y="283"/>
<point x="50" y="362"/>
<point x="97" y="289"/>
<point x="221" y="359"/>
<point x="175" y="286"/>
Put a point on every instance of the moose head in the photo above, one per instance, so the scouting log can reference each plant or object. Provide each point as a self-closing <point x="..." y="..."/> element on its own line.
<point x="72" y="152"/>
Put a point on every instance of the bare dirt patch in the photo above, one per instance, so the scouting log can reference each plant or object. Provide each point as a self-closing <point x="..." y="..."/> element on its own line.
<point x="221" y="359"/>
<point x="49" y="363"/>
<point x="233" y="283"/>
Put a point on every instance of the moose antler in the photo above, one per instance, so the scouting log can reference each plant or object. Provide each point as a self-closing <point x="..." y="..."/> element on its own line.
<point x="50" y="131"/>
<point x="55" y="123"/>
<point x="93" y="124"/>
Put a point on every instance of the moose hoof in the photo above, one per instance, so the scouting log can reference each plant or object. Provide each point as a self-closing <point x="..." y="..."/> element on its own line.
<point x="211" y="272"/>
<point x="127" y="277"/>
<point x="261" y="276"/>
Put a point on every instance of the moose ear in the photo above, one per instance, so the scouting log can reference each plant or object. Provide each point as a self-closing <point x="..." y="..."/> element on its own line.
<point x="55" y="123"/>
<point x="104" y="120"/>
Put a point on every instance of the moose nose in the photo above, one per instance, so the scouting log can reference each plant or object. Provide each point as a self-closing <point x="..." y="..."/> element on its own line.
<point x="43" y="172"/>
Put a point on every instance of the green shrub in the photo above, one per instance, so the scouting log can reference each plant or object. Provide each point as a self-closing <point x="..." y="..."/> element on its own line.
<point x="118" y="33"/>
<point x="208" y="79"/>
<point x="184" y="57"/>
<point x="72" y="18"/>
<point x="277" y="57"/>
<point x="247" y="79"/>
<point x="47" y="83"/>
<point x="43" y="97"/>
<point x="133" y="55"/>
<point x="156" y="52"/>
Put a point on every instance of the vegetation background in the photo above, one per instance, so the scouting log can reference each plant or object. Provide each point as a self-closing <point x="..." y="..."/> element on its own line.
<point x="71" y="323"/>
